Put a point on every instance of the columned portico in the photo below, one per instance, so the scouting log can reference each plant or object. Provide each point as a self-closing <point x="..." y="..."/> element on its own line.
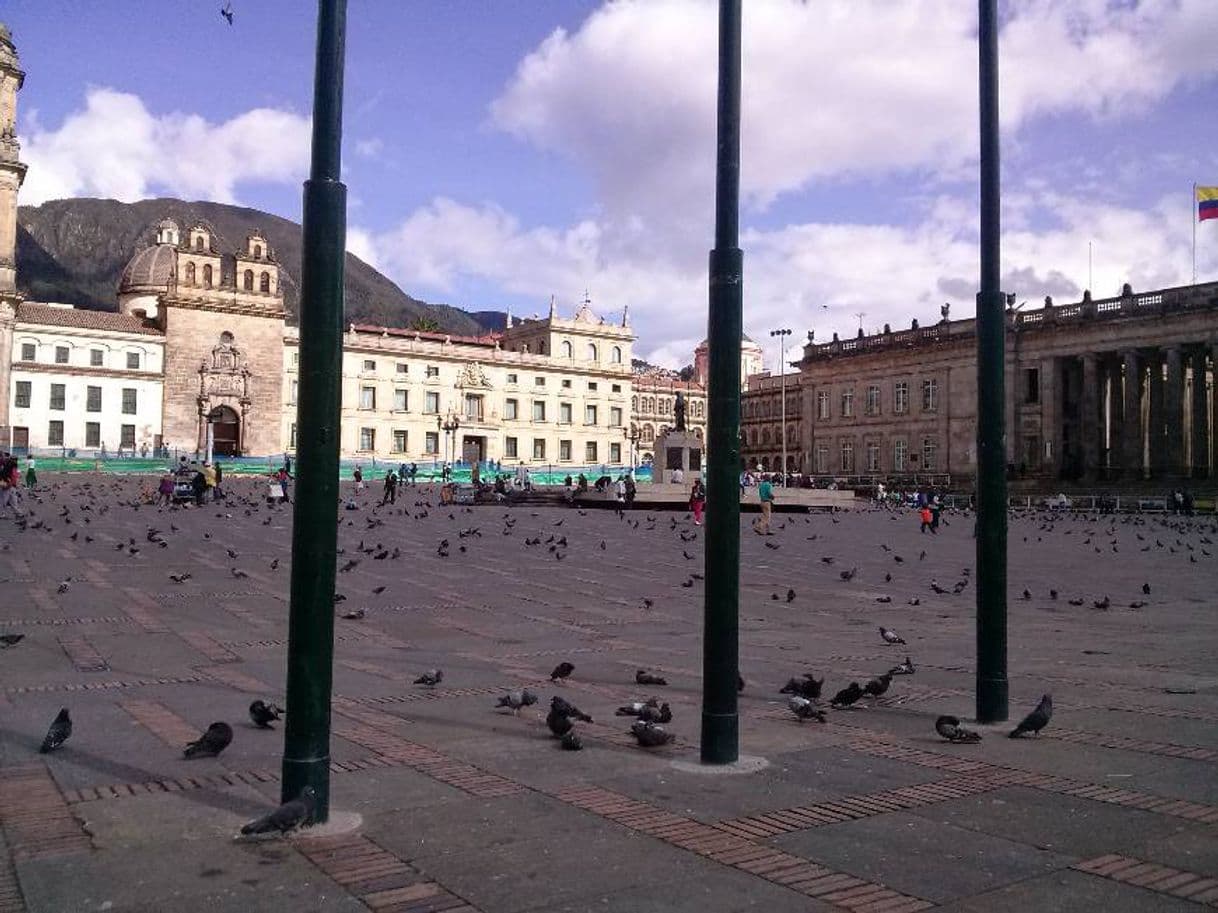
<point x="1131" y="422"/>
<point x="1199" y="448"/>
<point x="1173" y="405"/>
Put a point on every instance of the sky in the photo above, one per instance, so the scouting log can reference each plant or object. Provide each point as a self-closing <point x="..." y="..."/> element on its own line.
<point x="500" y="152"/>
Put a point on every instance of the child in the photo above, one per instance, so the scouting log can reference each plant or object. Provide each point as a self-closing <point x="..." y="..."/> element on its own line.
<point x="926" y="517"/>
<point x="165" y="491"/>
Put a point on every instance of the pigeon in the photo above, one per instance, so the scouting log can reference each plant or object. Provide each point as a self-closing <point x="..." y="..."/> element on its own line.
<point x="636" y="708"/>
<point x="60" y="732"/>
<point x="238" y="573"/>
<point x="211" y="743"/>
<point x="227" y="12"/>
<point x="263" y="714"/>
<point x="1037" y="720"/>
<point x="1146" y="589"/>
<point x="1078" y="601"/>
<point x="63" y="587"/>
<point x="561" y="671"/>
<point x="790" y="595"/>
<point x="651" y="714"/>
<point x="877" y="686"/>
<point x="847" y="696"/>
<point x="643" y="677"/>
<point x="566" y="708"/>
<point x="232" y="553"/>
<point x="804" y="709"/>
<point x="650" y="735"/>
<point x="571" y="742"/>
<point x="905" y="668"/>
<point x="1102" y="603"/>
<point x="560" y="724"/>
<point x="431" y="678"/>
<point x="354" y="614"/>
<point x="350" y="565"/>
<point x="179" y="578"/>
<point x="849" y="575"/>
<point x="648" y="603"/>
<point x="807" y="687"/>
<point x="11" y="640"/>
<point x="295" y="813"/>
<point x="949" y="727"/>
<point x="514" y="700"/>
<point x="890" y="637"/>
<point x="378" y="590"/>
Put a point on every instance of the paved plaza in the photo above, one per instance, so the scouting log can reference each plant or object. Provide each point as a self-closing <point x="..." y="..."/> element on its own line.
<point x="1113" y="807"/>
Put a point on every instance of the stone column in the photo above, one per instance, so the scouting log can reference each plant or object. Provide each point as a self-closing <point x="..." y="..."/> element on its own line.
<point x="1201" y="417"/>
<point x="1114" y="405"/>
<point x="1089" y="415"/>
<point x="1155" y="443"/>
<point x="1131" y="418"/>
<point x="1173" y="404"/>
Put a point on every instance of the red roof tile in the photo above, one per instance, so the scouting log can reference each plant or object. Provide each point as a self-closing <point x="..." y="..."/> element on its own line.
<point x="45" y="315"/>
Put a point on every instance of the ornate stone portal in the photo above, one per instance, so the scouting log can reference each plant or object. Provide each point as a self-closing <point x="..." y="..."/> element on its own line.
<point x="224" y="382"/>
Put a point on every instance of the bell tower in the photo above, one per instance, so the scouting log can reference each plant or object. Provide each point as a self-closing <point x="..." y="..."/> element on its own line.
<point x="12" y="172"/>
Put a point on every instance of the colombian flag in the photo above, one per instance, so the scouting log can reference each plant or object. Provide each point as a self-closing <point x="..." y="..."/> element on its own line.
<point x="1207" y="203"/>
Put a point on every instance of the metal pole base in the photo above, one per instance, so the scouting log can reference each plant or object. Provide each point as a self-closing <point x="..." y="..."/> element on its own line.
<point x="720" y="738"/>
<point x="992" y="700"/>
<point x="298" y="773"/>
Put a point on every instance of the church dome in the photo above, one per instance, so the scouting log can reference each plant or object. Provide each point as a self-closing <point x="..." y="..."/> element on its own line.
<point x="151" y="268"/>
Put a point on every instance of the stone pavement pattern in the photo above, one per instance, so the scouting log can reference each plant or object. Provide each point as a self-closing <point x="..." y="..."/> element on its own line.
<point x="1113" y="807"/>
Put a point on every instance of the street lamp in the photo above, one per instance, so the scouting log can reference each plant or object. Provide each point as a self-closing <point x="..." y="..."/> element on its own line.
<point x="634" y="436"/>
<point x="782" y="369"/>
<point x="450" y="429"/>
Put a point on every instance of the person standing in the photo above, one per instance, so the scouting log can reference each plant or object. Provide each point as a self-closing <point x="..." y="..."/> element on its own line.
<point x="31" y="477"/>
<point x="925" y="516"/>
<point x="631" y="490"/>
<point x="475" y="473"/>
<point x="283" y="484"/>
<point x="165" y="491"/>
<point x="358" y="475"/>
<point x="765" y="496"/>
<point x="697" y="500"/>
<point x="198" y="485"/>
<point x="391" y="489"/>
<point x="209" y="476"/>
<point x="414" y="474"/>
<point x="218" y="494"/>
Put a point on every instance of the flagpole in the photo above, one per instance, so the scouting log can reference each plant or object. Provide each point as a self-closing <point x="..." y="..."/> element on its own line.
<point x="1193" y="206"/>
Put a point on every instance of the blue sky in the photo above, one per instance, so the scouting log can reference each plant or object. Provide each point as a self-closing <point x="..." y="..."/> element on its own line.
<point x="501" y="152"/>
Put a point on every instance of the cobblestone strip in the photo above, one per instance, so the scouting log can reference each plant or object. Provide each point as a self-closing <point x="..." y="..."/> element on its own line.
<point x="36" y="818"/>
<point x="84" y="655"/>
<point x="141" y="609"/>
<point x="378" y="878"/>
<point x="850" y="808"/>
<point x="11" y="900"/>
<point x="742" y="853"/>
<point x="1161" y="879"/>
<point x="235" y="679"/>
<point x="208" y="647"/>
<point x="162" y="722"/>
<point x="102" y="686"/>
<point x="59" y="622"/>
<point x="1142" y="746"/>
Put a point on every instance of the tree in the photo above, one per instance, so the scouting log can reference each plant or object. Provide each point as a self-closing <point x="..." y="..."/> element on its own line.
<point x="425" y="324"/>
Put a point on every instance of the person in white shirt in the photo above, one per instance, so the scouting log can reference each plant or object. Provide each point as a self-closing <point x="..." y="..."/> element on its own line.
<point x="678" y="476"/>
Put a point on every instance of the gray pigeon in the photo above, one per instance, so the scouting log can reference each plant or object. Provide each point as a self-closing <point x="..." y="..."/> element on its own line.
<point x="877" y="686"/>
<point x="560" y="724"/>
<point x="905" y="668"/>
<point x="514" y="700"/>
<point x="635" y="708"/>
<point x="805" y="709"/>
<point x="211" y="743"/>
<point x="1037" y="720"/>
<point x="263" y="714"/>
<point x="11" y="640"/>
<point x="431" y="678"/>
<point x="650" y="735"/>
<point x="949" y="727"/>
<point x="643" y="677"/>
<point x="847" y="696"/>
<point x="287" y="817"/>
<point x="653" y="714"/>
<point x="571" y="742"/>
<point x="890" y="637"/>
<point x="60" y="732"/>
<point x="566" y="708"/>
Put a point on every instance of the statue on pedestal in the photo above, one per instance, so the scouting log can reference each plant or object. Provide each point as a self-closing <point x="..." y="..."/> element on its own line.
<point x="679" y="411"/>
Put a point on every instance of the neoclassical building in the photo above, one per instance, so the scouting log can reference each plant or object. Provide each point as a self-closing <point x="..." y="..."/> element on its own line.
<point x="653" y="409"/>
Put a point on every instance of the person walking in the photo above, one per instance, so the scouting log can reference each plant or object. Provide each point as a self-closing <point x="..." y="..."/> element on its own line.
<point x="165" y="491"/>
<point x="209" y="476"/>
<point x="697" y="500"/>
<point x="198" y="485"/>
<point x="283" y="484"/>
<point x="631" y="490"/>
<point x="765" y="496"/>
<point x="358" y="475"/>
<point x="391" y="489"/>
<point x="218" y="494"/>
<point x="927" y="518"/>
<point x="936" y="508"/>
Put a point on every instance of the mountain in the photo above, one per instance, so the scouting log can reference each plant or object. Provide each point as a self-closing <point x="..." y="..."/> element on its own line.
<point x="73" y="251"/>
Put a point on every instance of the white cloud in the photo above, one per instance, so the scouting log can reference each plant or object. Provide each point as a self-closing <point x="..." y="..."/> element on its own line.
<point x="361" y="242"/>
<point x="369" y="148"/>
<point x="115" y="147"/>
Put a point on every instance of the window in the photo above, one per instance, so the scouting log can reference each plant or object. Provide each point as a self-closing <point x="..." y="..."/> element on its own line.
<point x="615" y="355"/>
<point x="473" y="407"/>
<point x="592" y="386"/>
<point x="510" y="447"/>
<point x="564" y="451"/>
<point x="264" y="282"/>
<point x="900" y="452"/>
<point x="128" y="401"/>
<point x="92" y="434"/>
<point x="539" y="381"/>
<point x="822" y="459"/>
<point x="133" y="361"/>
<point x="367" y="439"/>
<point x="512" y="378"/>
<point x="432" y="371"/>
<point x="615" y="417"/>
<point x="399" y="441"/>
<point x="24" y="389"/>
<point x="822" y="404"/>
<point x="1031" y="387"/>
<point x="55" y="434"/>
<point x="616" y="388"/>
<point x="930" y="454"/>
<point x="873" y="457"/>
<point x="1031" y="451"/>
<point x="292" y="437"/>
<point x="96" y="358"/>
<point x="564" y="413"/>
<point x="369" y="366"/>
<point x="126" y="438"/>
<point x="207" y="275"/>
<point x="93" y="399"/>
<point x="593" y="355"/>
<point x="539" y="448"/>
<point x="401" y="400"/>
<point x="900" y="397"/>
<point x="566" y="384"/>
<point x="590" y="451"/>
<point x="847" y="403"/>
<point x="198" y="242"/>
<point x="258" y="253"/>
<point x="566" y="349"/>
<point x="539" y="410"/>
<point x="847" y="463"/>
<point x="511" y="409"/>
<point x="248" y="280"/>
<point x="432" y="404"/>
<point x="57" y="397"/>
<point x="190" y="273"/>
<point x="61" y="355"/>
<point x="293" y="391"/>
<point x="873" y="400"/>
<point x="431" y="443"/>
<point x="367" y="397"/>
<point x="402" y="367"/>
<point x="615" y="453"/>
<point x="930" y="395"/>
<point x="589" y="415"/>
<point x="29" y="351"/>
<point x="295" y="359"/>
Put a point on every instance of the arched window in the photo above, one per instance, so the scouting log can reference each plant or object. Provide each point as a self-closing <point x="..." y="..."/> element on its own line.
<point x="207" y="274"/>
<point x="248" y="284"/>
<point x="198" y="242"/>
<point x="592" y="353"/>
<point x="566" y="349"/>
<point x="258" y="251"/>
<point x="264" y="282"/>
<point x="616" y="355"/>
<point x="190" y="273"/>
<point x="541" y="347"/>
<point x="649" y="433"/>
<point x="634" y="404"/>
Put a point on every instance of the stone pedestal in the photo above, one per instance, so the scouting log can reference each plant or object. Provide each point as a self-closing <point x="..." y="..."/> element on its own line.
<point x="678" y="450"/>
